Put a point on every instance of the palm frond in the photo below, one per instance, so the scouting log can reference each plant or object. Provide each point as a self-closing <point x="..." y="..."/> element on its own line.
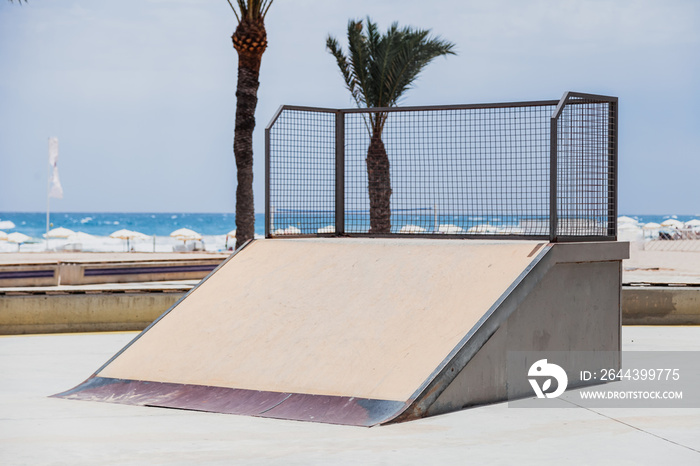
<point x="265" y="7"/>
<point x="359" y="52"/>
<point x="345" y="68"/>
<point x="251" y="10"/>
<point x="384" y="66"/>
<point x="243" y="6"/>
<point x="411" y="58"/>
<point x="380" y="68"/>
<point x="234" y="11"/>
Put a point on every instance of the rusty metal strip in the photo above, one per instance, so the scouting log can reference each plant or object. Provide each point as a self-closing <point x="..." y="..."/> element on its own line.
<point x="293" y="406"/>
<point x="342" y="410"/>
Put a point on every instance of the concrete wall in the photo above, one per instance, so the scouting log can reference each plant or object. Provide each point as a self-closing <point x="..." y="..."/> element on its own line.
<point x="58" y="313"/>
<point x="81" y="273"/>
<point x="661" y="305"/>
<point x="24" y="314"/>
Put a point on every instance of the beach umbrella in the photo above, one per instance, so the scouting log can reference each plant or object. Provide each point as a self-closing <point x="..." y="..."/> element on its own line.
<point x="59" y="232"/>
<point x="624" y="219"/>
<point x="290" y="230"/>
<point x="407" y="229"/>
<point x="230" y="234"/>
<point x="139" y="235"/>
<point x="672" y="223"/>
<point x="450" y="229"/>
<point x="651" y="229"/>
<point x="186" y="234"/>
<point x="18" y="238"/>
<point x="6" y="224"/>
<point x="128" y="235"/>
<point x="3" y="236"/>
<point x="629" y="232"/>
<point x="627" y="226"/>
<point x="483" y="229"/>
<point x="695" y="223"/>
<point x="121" y="234"/>
<point x="511" y="230"/>
<point x="326" y="229"/>
<point x="81" y="236"/>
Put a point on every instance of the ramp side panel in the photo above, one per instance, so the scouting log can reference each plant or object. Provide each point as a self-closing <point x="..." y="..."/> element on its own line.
<point x="575" y="307"/>
<point x="355" y="318"/>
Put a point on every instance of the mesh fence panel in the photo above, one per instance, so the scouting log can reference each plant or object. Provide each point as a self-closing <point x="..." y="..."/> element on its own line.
<point x="470" y="171"/>
<point x="584" y="151"/>
<point x="459" y="171"/>
<point x="301" y="173"/>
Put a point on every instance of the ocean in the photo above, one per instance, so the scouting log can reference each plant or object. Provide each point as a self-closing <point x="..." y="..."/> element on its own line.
<point x="103" y="223"/>
<point x="212" y="226"/>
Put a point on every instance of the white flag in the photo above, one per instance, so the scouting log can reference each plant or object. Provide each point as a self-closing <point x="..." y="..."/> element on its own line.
<point x="55" y="188"/>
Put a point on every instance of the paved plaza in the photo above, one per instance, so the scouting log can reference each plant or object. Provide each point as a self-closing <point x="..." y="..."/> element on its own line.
<point x="36" y="429"/>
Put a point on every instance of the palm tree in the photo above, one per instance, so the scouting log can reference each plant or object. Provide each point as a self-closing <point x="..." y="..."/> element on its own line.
<point x="250" y="41"/>
<point x="377" y="71"/>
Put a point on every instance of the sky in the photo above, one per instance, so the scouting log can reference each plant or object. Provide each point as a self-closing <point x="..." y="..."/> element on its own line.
<point x="141" y="93"/>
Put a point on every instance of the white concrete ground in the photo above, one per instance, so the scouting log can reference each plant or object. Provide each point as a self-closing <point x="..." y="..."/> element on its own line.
<point x="35" y="429"/>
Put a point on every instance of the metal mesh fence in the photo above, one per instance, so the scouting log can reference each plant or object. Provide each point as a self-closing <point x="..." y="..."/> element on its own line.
<point x="584" y="155"/>
<point x="301" y="173"/>
<point x="460" y="171"/>
<point x="466" y="171"/>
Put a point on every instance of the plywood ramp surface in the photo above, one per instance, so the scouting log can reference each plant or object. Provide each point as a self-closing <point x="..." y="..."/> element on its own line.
<point x="350" y="317"/>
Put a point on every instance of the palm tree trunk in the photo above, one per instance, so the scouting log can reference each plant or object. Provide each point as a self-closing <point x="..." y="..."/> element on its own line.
<point x="379" y="185"/>
<point x="246" y="101"/>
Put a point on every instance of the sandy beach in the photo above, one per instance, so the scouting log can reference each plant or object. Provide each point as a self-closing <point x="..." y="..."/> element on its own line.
<point x="649" y="265"/>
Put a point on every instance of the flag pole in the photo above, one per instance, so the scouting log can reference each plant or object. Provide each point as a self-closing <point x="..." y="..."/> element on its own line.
<point x="54" y="186"/>
<point x="48" y="198"/>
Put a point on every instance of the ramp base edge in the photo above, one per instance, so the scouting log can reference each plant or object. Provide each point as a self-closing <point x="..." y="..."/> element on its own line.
<point x="292" y="406"/>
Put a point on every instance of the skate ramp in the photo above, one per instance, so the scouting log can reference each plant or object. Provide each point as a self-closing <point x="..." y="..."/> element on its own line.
<point x="347" y="331"/>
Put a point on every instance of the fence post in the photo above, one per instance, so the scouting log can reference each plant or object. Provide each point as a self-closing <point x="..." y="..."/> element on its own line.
<point x="553" y="215"/>
<point x="339" y="173"/>
<point x="612" y="168"/>
<point x="553" y="170"/>
<point x="268" y="210"/>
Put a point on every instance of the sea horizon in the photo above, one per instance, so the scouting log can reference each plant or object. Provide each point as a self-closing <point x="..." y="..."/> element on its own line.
<point x="96" y="227"/>
<point x="150" y="223"/>
<point x="33" y="223"/>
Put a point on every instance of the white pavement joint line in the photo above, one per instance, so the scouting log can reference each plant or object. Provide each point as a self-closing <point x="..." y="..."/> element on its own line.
<point x="634" y="427"/>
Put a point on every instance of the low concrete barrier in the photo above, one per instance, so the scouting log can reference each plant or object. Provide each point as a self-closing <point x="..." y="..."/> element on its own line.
<point x="661" y="305"/>
<point x="101" y="311"/>
<point x="82" y="312"/>
<point x="29" y="275"/>
<point x="91" y="268"/>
